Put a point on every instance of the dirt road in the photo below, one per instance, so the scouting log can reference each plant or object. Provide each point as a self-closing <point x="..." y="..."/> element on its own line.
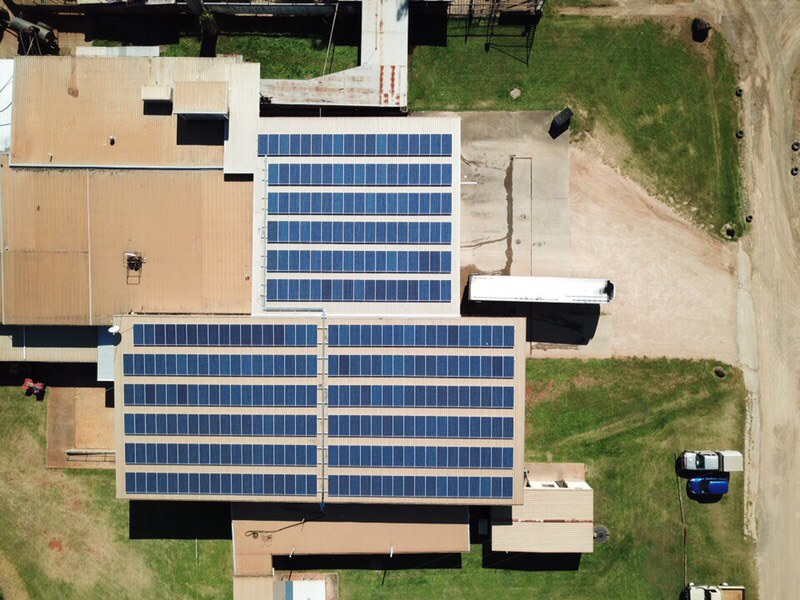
<point x="765" y="38"/>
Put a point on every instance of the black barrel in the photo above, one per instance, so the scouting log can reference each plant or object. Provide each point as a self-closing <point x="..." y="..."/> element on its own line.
<point x="560" y="122"/>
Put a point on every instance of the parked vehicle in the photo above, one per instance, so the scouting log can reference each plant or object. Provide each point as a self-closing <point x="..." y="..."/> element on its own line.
<point x="713" y="592"/>
<point x="728" y="461"/>
<point x="707" y="486"/>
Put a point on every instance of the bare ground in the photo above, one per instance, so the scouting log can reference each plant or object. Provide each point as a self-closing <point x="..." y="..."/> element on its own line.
<point x="676" y="285"/>
<point x="56" y="529"/>
<point x="765" y="38"/>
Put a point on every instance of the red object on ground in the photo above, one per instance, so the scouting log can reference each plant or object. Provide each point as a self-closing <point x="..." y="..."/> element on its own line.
<point x="38" y="388"/>
<point x="28" y="384"/>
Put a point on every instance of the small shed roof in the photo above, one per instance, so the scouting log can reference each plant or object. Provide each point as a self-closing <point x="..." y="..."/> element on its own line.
<point x="201" y="98"/>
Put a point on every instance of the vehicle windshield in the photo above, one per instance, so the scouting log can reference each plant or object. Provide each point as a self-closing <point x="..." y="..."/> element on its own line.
<point x="704" y="485"/>
<point x="701" y="461"/>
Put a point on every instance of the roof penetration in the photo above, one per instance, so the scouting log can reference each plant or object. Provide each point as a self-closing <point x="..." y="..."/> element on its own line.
<point x="313" y="409"/>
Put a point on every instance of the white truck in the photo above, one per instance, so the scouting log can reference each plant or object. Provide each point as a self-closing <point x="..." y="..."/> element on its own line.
<point x="728" y="461"/>
<point x="713" y="592"/>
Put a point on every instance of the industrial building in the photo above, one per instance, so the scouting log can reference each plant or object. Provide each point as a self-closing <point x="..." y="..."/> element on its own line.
<point x="276" y="301"/>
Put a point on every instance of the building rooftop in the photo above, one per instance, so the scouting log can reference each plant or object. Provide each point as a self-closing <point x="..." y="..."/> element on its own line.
<point x="311" y="409"/>
<point x="89" y="112"/>
<point x="193" y="229"/>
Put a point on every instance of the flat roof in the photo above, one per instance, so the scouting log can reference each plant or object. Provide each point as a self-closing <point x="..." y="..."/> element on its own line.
<point x="556" y="515"/>
<point x="88" y="112"/>
<point x="261" y="531"/>
<point x="360" y="215"/>
<point x="192" y="227"/>
<point x="314" y="409"/>
<point x="201" y="98"/>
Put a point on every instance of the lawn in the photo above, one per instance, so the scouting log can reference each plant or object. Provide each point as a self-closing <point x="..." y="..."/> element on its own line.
<point x="624" y="419"/>
<point x="670" y="101"/>
<point x="67" y="536"/>
<point x="281" y="57"/>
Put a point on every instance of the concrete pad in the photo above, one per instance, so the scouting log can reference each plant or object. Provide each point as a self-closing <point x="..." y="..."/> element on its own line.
<point x="513" y="173"/>
<point x="94" y="421"/>
<point x="533" y="206"/>
<point x="78" y="418"/>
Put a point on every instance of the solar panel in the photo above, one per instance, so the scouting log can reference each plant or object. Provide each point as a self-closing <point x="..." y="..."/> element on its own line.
<point x="267" y="418"/>
<point x="462" y="396"/>
<point x="425" y="144"/>
<point x="421" y="487"/>
<point x="359" y="203"/>
<point x="358" y="290"/>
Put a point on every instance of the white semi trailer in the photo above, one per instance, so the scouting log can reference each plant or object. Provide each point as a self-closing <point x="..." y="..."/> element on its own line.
<point x="559" y="290"/>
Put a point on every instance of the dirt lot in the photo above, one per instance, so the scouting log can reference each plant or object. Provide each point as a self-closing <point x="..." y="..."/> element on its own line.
<point x="79" y="418"/>
<point x="765" y="39"/>
<point x="533" y="206"/>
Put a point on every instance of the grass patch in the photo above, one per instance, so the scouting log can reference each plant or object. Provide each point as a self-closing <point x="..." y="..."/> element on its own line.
<point x="281" y="57"/>
<point x="67" y="536"/>
<point x="671" y="102"/>
<point x="624" y="419"/>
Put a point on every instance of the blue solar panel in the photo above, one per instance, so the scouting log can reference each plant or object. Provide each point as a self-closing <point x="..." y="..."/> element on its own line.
<point x="382" y="365"/>
<point x="420" y="426"/>
<point x="220" y="484"/>
<point x="355" y="145"/>
<point x="225" y="335"/>
<point x="431" y="336"/>
<point x="218" y="395"/>
<point x="358" y="203"/>
<point x="429" y="457"/>
<point x="407" y="486"/>
<point x="221" y="424"/>
<point x="421" y="395"/>
<point x="357" y="290"/>
<point x="360" y="174"/>
<point x="220" y="365"/>
<point x="358" y="232"/>
<point x="220" y="454"/>
<point x="350" y="261"/>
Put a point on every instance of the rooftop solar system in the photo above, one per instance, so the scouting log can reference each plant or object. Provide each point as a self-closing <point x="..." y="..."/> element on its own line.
<point x="358" y="214"/>
<point x="320" y="410"/>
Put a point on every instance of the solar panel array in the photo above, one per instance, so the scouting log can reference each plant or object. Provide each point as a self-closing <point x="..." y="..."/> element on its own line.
<point x="321" y="410"/>
<point x="352" y="202"/>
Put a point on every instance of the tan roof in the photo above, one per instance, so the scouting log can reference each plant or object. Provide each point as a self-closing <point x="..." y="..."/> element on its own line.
<point x="201" y="97"/>
<point x="552" y="518"/>
<point x="66" y="232"/>
<point x="284" y="529"/>
<point x="253" y="588"/>
<point x="68" y="109"/>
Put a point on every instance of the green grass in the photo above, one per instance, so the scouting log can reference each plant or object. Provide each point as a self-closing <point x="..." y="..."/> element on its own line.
<point x="281" y="57"/>
<point x="624" y="419"/>
<point x="67" y="536"/>
<point x="670" y="101"/>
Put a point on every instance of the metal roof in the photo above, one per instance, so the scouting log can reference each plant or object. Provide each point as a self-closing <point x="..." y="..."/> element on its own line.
<point x="96" y="105"/>
<point x="192" y="227"/>
<point x="556" y="516"/>
<point x="261" y="531"/>
<point x="380" y="80"/>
